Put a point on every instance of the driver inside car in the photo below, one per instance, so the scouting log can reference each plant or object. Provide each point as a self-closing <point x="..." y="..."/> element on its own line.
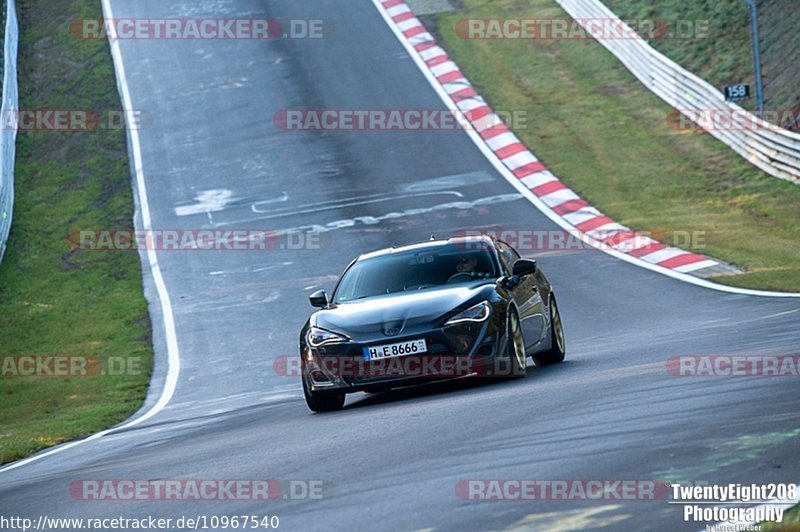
<point x="467" y="268"/>
<point x="467" y="264"/>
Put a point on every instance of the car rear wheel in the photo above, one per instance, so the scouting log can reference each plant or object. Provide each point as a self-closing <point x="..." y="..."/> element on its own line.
<point x="323" y="402"/>
<point x="558" y="348"/>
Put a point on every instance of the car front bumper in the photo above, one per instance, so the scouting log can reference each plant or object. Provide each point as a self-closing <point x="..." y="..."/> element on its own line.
<point x="452" y="352"/>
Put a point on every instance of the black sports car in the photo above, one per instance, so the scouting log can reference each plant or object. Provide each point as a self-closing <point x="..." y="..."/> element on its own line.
<point x="433" y="310"/>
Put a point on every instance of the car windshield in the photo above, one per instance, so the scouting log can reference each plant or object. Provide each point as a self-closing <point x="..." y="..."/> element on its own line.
<point x="416" y="269"/>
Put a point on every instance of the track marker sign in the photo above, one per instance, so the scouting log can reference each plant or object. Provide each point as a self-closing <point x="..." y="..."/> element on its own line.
<point x="737" y="93"/>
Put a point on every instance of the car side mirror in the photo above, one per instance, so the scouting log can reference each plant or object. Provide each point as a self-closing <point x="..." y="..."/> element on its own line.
<point x="524" y="267"/>
<point x="319" y="299"/>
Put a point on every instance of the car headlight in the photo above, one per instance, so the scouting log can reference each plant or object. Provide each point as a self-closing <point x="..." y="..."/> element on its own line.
<point x="317" y="337"/>
<point x="476" y="313"/>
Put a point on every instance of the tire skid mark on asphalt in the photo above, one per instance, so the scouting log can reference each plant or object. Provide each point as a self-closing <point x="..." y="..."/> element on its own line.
<point x="438" y="186"/>
<point x="580" y="519"/>
<point x="314" y="208"/>
<point x="418" y="211"/>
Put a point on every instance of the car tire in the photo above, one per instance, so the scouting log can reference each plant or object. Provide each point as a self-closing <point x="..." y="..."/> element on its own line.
<point x="558" y="348"/>
<point x="511" y="365"/>
<point x="323" y="402"/>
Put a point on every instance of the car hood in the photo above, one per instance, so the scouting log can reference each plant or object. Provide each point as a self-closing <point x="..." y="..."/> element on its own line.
<point x="393" y="313"/>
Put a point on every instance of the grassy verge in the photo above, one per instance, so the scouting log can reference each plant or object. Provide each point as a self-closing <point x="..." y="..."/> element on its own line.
<point x="608" y="138"/>
<point x="790" y="523"/>
<point x="55" y="301"/>
<point x="724" y="56"/>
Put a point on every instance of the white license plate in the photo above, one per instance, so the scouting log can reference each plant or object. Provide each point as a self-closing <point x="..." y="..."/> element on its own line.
<point x="412" y="347"/>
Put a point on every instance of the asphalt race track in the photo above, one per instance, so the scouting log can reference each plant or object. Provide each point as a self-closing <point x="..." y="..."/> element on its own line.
<point x="392" y="461"/>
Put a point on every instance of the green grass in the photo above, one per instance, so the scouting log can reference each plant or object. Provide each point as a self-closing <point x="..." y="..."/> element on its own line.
<point x="55" y="300"/>
<point x="595" y="126"/>
<point x="724" y="56"/>
<point x="790" y="523"/>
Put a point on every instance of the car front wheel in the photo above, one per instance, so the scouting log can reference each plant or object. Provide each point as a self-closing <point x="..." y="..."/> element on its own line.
<point x="323" y="401"/>
<point x="511" y="363"/>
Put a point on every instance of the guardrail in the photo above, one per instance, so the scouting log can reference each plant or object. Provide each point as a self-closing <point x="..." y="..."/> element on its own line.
<point x="767" y="146"/>
<point x="8" y="127"/>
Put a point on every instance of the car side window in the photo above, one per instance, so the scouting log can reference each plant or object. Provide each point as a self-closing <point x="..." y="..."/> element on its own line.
<point x="507" y="256"/>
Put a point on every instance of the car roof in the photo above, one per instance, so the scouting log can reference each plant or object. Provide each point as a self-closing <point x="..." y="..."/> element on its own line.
<point x="428" y="244"/>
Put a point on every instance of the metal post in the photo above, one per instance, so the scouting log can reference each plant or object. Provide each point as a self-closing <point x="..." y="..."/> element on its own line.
<point x="756" y="55"/>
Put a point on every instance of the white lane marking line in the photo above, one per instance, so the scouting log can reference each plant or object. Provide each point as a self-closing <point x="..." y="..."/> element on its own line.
<point x="207" y="201"/>
<point x="442" y="91"/>
<point x="173" y="355"/>
<point x="282" y="197"/>
<point x="445" y="182"/>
